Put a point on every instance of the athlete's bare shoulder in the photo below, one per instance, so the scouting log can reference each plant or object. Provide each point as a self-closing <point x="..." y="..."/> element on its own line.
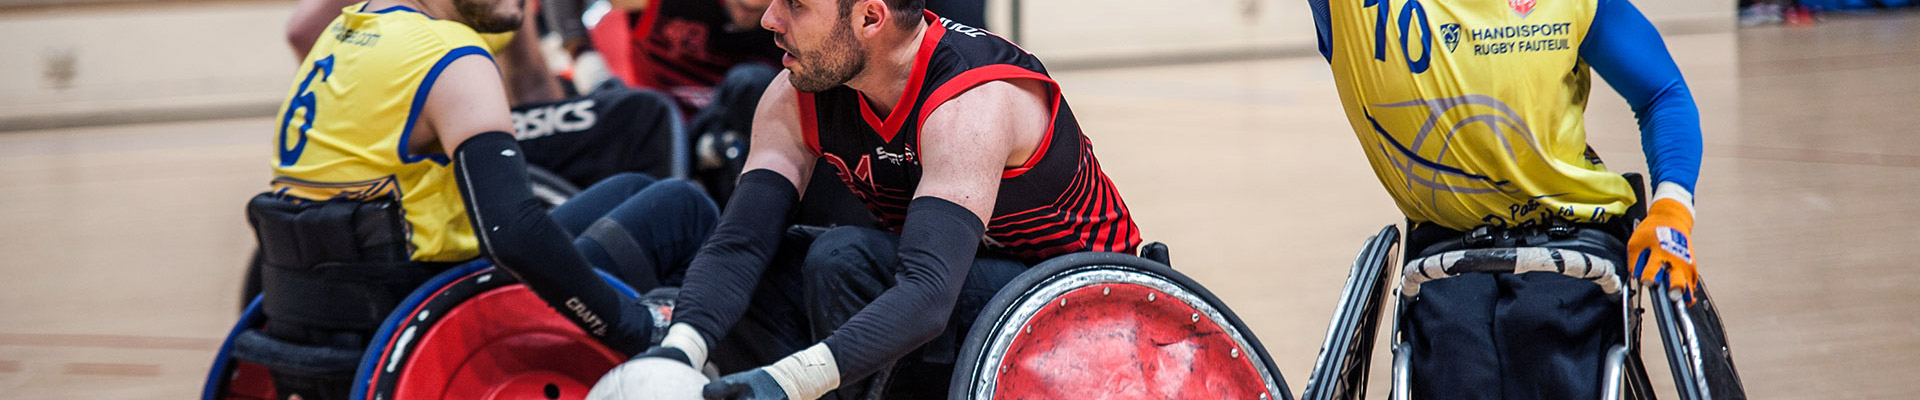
<point x="779" y="142"/>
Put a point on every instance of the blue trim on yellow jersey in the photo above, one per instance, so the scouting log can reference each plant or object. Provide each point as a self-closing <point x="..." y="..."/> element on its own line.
<point x="420" y="102"/>
<point x="1323" y="24"/>
<point x="1628" y="52"/>
<point x="363" y="8"/>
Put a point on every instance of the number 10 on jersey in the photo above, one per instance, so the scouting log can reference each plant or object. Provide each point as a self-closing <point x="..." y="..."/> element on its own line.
<point x="1408" y="13"/>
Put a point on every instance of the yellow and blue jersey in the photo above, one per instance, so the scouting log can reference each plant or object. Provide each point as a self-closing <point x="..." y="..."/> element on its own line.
<point x="1471" y="111"/>
<point x="348" y="119"/>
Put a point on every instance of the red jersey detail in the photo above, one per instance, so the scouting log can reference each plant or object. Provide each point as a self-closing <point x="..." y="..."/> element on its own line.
<point x="680" y="47"/>
<point x="809" y="126"/>
<point x="864" y="171"/>
<point x="904" y="106"/>
<point x="978" y="76"/>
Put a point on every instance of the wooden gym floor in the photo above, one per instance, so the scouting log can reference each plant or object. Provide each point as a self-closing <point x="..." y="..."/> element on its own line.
<point x="122" y="246"/>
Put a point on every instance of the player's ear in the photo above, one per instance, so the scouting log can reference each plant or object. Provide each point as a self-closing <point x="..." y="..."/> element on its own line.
<point x="870" y="17"/>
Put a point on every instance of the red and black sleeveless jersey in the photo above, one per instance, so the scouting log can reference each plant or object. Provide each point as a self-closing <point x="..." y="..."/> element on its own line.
<point x="1058" y="202"/>
<point x="683" y="47"/>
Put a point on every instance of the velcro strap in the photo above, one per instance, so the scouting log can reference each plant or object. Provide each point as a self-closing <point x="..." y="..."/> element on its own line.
<point x="1516" y="260"/>
<point x="301" y="234"/>
<point x="620" y="245"/>
<point x="338" y="296"/>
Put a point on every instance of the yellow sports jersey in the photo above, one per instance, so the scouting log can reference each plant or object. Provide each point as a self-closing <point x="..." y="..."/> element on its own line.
<point x="346" y="123"/>
<point x="1471" y="110"/>
<point x="497" y="42"/>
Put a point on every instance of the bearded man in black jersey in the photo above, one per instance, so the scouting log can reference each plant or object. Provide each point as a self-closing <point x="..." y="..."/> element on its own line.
<point x="959" y="144"/>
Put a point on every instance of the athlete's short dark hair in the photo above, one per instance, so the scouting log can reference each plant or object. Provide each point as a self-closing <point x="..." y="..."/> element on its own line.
<point x="908" y="10"/>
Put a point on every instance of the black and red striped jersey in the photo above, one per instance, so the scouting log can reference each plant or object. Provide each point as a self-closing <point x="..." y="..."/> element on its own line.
<point x="1057" y="202"/>
<point x="683" y="47"/>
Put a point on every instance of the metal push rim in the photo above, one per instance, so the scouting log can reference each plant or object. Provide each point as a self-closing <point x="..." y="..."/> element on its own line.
<point x="994" y="350"/>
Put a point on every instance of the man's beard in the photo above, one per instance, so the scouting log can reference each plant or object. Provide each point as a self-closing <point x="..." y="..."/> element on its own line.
<point x="480" y="16"/>
<point x="841" y="58"/>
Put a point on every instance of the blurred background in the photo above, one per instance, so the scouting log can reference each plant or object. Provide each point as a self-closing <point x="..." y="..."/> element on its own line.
<point x="132" y="131"/>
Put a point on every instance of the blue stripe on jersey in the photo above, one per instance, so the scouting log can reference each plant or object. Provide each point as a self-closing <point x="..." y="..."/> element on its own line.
<point x="1323" y="24"/>
<point x="396" y="8"/>
<point x="420" y="102"/>
<point x="1626" y="50"/>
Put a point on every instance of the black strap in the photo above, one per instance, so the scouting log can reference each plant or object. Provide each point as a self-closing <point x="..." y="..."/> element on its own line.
<point x="621" y="247"/>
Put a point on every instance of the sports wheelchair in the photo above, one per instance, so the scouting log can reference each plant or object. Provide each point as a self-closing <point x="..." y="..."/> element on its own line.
<point x="1088" y="324"/>
<point x="1693" y="337"/>
<point x="471" y="332"/>
<point x="465" y="331"/>
<point x="1111" y="325"/>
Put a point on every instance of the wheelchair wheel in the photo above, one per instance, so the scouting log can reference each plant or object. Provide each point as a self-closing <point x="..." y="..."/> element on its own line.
<point x="1340" y="371"/>
<point x="1104" y="325"/>
<point x="471" y="332"/>
<point x="232" y="379"/>
<point x="551" y="189"/>
<point x="475" y="333"/>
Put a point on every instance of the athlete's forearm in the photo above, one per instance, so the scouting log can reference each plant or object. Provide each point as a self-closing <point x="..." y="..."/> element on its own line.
<point x="516" y="233"/>
<point x="937" y="247"/>
<point x="563" y="17"/>
<point x="1623" y="47"/>
<point x="723" y="275"/>
<point x="525" y="69"/>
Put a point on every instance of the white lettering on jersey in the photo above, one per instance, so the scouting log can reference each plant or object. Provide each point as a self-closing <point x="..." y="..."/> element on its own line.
<point x="546" y="121"/>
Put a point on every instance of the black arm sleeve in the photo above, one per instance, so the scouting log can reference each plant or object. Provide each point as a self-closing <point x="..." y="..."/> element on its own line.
<point x="516" y="233"/>
<point x="563" y="17"/>
<point x="722" y="277"/>
<point x="937" y="247"/>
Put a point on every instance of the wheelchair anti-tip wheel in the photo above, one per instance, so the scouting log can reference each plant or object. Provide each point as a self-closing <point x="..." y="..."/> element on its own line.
<point x="472" y="332"/>
<point x="1110" y="325"/>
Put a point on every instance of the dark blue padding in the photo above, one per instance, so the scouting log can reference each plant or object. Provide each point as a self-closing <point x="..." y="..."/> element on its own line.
<point x="221" y="360"/>
<point x="369" y="362"/>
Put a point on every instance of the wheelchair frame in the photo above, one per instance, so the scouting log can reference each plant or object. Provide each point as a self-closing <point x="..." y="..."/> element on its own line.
<point x="1690" y="335"/>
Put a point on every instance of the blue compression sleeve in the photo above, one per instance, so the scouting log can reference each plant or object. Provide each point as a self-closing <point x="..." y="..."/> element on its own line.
<point x="1323" y="26"/>
<point x="1626" y="50"/>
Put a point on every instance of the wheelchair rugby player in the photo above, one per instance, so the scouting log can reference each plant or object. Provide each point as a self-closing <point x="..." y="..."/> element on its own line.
<point x="395" y="161"/>
<point x="1518" y="234"/>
